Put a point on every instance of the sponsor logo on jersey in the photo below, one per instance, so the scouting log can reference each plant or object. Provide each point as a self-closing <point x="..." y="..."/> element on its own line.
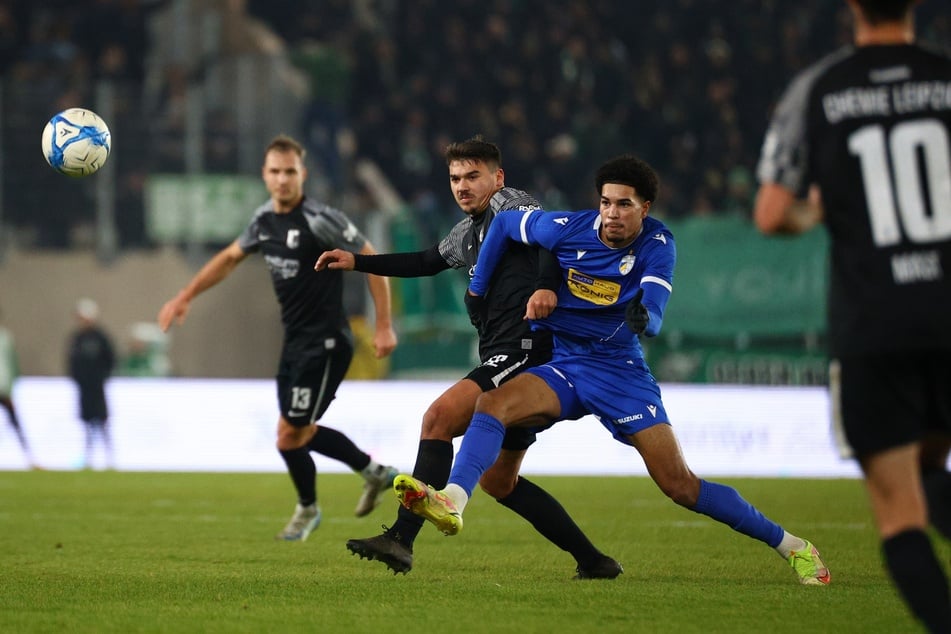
<point x="661" y="237"/>
<point x="581" y="253"/>
<point x="627" y="263"/>
<point x="653" y="410"/>
<point x="561" y="221"/>
<point x="293" y="238"/>
<point x="592" y="289"/>
<point x="264" y="237"/>
<point x="283" y="268"/>
<point x="295" y="414"/>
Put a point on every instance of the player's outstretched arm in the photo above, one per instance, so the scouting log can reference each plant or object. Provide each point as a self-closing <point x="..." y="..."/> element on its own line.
<point x="216" y="269"/>
<point x="384" y="337"/>
<point x="409" y="264"/>
<point x="337" y="259"/>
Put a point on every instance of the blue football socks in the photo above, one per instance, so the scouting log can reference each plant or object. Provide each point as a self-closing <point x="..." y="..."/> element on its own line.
<point x="480" y="447"/>
<point x="724" y="504"/>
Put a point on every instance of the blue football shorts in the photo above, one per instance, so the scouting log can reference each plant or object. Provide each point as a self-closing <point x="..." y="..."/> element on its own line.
<point x="618" y="390"/>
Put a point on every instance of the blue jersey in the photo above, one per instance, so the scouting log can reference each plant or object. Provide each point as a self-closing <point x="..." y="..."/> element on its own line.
<point x="598" y="280"/>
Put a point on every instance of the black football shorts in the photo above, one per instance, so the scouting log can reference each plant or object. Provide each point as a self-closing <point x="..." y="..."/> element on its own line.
<point x="889" y="400"/>
<point x="499" y="368"/>
<point x="308" y="382"/>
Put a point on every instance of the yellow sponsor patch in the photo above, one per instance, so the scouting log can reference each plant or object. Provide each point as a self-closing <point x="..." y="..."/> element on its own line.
<point x="600" y="292"/>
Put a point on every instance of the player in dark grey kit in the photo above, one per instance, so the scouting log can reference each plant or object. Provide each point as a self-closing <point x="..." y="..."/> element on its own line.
<point x="868" y="130"/>
<point x="522" y="290"/>
<point x="290" y="231"/>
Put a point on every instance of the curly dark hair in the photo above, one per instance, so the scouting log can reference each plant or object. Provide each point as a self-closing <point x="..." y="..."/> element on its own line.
<point x="627" y="169"/>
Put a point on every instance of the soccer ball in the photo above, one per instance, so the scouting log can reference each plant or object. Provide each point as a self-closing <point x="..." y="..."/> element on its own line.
<point x="76" y="142"/>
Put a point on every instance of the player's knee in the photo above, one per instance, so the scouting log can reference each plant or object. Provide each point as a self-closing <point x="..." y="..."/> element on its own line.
<point x="497" y="485"/>
<point x="492" y="404"/>
<point x="683" y="489"/>
<point x="442" y="422"/>
<point x="289" y="437"/>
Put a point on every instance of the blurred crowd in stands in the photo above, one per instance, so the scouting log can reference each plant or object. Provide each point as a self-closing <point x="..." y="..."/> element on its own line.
<point x="52" y="55"/>
<point x="560" y="86"/>
<point x="686" y="84"/>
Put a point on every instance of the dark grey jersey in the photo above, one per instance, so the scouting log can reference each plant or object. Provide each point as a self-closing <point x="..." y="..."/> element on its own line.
<point x="871" y="126"/>
<point x="515" y="279"/>
<point x="311" y="301"/>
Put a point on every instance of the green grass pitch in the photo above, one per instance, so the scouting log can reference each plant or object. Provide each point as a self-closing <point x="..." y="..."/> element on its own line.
<point x="184" y="552"/>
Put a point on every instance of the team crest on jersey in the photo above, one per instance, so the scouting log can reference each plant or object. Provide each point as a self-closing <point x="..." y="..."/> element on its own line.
<point x="627" y="263"/>
<point x="293" y="238"/>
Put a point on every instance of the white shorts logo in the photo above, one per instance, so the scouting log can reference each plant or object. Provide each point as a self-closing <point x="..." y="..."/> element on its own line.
<point x="496" y="360"/>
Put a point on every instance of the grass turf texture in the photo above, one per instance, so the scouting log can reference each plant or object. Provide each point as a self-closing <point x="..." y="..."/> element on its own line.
<point x="181" y="552"/>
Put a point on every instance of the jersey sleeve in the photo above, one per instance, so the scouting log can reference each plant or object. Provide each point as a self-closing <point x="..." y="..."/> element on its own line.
<point x="451" y="247"/>
<point x="511" y="199"/>
<point x="506" y="227"/>
<point x="657" y="280"/>
<point x="334" y="229"/>
<point x="249" y="240"/>
<point x="414" y="264"/>
<point x="784" y="155"/>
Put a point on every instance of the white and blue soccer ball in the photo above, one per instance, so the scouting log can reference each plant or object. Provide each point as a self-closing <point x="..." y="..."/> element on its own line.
<point x="76" y="142"/>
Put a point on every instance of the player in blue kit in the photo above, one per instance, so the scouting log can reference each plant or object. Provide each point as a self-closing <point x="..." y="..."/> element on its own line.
<point x="617" y="265"/>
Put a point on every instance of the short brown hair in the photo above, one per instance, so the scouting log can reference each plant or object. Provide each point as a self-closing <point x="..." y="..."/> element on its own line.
<point x="474" y="149"/>
<point x="285" y="143"/>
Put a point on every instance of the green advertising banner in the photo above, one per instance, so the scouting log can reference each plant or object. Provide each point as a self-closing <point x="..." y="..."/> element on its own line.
<point x="202" y="208"/>
<point x="730" y="281"/>
<point x="790" y="362"/>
